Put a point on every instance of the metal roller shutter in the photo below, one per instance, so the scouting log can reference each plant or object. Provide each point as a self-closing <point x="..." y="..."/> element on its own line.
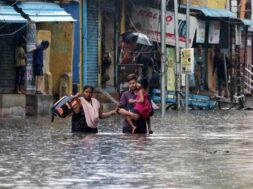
<point x="7" y="65"/>
<point x="92" y="43"/>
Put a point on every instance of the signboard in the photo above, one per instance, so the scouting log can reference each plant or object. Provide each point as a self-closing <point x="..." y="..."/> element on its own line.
<point x="202" y="3"/>
<point x="217" y="4"/>
<point x="201" y="32"/>
<point x="214" y="32"/>
<point x="208" y="3"/>
<point x="187" y="61"/>
<point x="147" y="20"/>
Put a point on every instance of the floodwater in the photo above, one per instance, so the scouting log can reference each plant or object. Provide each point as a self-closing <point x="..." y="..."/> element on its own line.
<point x="203" y="149"/>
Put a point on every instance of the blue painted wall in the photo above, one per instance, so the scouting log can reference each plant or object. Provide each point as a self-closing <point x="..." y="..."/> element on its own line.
<point x="73" y="8"/>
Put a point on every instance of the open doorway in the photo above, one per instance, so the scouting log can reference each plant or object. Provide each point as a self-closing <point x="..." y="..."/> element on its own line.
<point x="108" y="45"/>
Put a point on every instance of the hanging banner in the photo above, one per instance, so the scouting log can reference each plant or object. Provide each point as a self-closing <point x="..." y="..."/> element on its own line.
<point x="30" y="80"/>
<point x="187" y="61"/>
<point x="171" y="62"/>
<point x="201" y="32"/>
<point x="214" y="32"/>
<point x="147" y="20"/>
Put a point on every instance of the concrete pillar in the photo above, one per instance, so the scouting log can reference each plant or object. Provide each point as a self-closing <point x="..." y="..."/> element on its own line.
<point x="39" y="104"/>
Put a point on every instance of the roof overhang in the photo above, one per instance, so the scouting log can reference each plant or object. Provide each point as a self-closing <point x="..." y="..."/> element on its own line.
<point x="45" y="12"/>
<point x="220" y="13"/>
<point x="248" y="23"/>
<point x="9" y="15"/>
<point x="212" y="12"/>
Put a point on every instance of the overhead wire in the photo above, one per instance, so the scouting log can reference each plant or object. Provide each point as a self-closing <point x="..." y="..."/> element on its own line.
<point x="22" y="27"/>
<point x="6" y="23"/>
<point x="11" y="34"/>
<point x="3" y="17"/>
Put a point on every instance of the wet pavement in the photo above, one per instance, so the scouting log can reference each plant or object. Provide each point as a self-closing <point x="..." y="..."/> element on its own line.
<point x="203" y="149"/>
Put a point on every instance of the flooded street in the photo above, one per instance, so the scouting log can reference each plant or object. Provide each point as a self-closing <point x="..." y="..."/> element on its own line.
<point x="200" y="150"/>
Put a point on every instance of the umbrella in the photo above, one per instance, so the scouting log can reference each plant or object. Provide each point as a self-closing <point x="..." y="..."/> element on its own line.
<point x="139" y="38"/>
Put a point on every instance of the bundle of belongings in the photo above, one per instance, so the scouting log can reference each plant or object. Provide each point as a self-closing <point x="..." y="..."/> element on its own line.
<point x="63" y="108"/>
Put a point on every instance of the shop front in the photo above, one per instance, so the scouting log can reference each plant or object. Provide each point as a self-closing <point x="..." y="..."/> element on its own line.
<point x="53" y="24"/>
<point x="146" y="20"/>
<point x="211" y="30"/>
<point x="99" y="23"/>
<point x="229" y="35"/>
<point x="12" y="29"/>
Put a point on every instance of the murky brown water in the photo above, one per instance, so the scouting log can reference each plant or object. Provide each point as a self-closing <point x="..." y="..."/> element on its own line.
<point x="198" y="150"/>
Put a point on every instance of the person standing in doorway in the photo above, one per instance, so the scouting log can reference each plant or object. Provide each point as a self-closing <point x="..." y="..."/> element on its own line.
<point x="105" y="65"/>
<point x="198" y="69"/>
<point x="38" y="64"/>
<point x="219" y="67"/>
<point x="20" y="57"/>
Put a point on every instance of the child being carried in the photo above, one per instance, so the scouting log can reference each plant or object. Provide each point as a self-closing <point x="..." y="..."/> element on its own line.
<point x="142" y="108"/>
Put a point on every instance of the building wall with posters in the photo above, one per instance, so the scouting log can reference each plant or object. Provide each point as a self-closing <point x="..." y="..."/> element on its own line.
<point x="59" y="24"/>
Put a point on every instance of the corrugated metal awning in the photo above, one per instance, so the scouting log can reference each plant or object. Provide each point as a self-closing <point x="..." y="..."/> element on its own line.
<point x="213" y="12"/>
<point x="9" y="15"/>
<point x="248" y="23"/>
<point x="45" y="12"/>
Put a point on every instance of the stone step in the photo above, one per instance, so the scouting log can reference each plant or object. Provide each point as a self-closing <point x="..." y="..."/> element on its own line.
<point x="12" y="105"/>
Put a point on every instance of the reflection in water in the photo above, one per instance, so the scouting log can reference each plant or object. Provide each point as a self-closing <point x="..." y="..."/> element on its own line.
<point x="198" y="150"/>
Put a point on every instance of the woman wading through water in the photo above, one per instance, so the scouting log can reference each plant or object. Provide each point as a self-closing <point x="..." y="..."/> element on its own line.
<point x="87" y="112"/>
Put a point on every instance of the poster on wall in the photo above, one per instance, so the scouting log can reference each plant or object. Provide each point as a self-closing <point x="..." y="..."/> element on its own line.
<point x="214" y="32"/>
<point x="187" y="61"/>
<point x="171" y="59"/>
<point x="31" y="37"/>
<point x="30" y="81"/>
<point x="30" y="46"/>
<point x="201" y="32"/>
<point x="147" y="20"/>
